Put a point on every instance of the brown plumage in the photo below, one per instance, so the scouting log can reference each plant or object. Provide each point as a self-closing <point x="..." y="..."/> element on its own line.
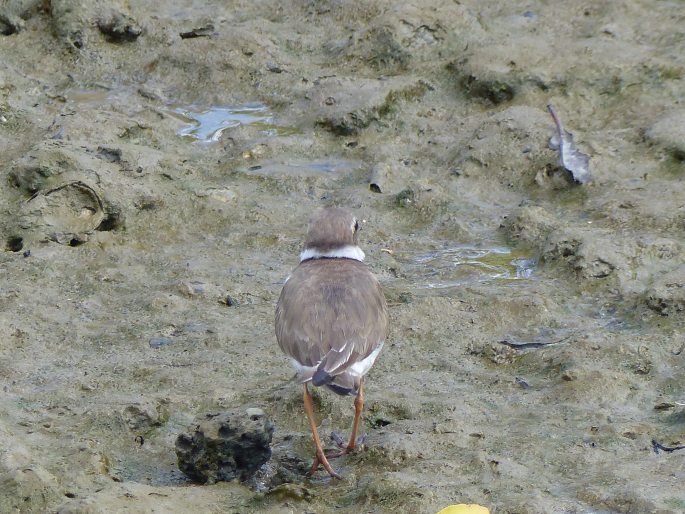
<point x="331" y="317"/>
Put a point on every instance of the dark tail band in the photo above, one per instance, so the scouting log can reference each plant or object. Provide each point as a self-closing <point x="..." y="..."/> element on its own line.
<point x="321" y="378"/>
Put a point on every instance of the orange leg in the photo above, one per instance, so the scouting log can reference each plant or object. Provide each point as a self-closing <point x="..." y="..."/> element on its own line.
<point x="358" y="407"/>
<point x="320" y="456"/>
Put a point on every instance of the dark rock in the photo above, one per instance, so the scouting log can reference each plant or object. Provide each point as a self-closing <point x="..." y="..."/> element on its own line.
<point x="226" y="446"/>
<point x="14" y="243"/>
<point x="118" y="27"/>
<point x="230" y="301"/>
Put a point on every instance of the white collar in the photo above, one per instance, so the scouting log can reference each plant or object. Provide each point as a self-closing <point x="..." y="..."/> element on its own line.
<point x="345" y="252"/>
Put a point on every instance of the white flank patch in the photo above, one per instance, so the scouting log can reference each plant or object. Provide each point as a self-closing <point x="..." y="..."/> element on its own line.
<point x="360" y="368"/>
<point x="304" y="372"/>
<point x="346" y="252"/>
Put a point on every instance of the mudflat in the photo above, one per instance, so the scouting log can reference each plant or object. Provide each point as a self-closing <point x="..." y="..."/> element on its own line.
<point x="160" y="162"/>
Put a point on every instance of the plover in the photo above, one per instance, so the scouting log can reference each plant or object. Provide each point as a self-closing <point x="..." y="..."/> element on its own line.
<point x="331" y="317"/>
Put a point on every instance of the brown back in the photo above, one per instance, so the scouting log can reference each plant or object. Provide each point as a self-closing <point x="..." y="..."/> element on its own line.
<point x="331" y="310"/>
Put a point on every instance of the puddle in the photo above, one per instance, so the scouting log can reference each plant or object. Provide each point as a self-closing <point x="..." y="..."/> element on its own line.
<point x="202" y="124"/>
<point x="207" y="125"/>
<point x="94" y="97"/>
<point x="460" y="265"/>
<point x="89" y="96"/>
<point x="301" y="167"/>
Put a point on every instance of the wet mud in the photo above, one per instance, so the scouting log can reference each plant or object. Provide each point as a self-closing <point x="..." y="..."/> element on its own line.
<point x="159" y="164"/>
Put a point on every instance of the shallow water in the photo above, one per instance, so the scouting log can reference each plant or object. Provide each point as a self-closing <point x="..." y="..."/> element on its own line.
<point x="206" y="125"/>
<point x="461" y="265"/>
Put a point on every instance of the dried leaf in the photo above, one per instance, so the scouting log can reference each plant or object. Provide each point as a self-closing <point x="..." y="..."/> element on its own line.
<point x="573" y="160"/>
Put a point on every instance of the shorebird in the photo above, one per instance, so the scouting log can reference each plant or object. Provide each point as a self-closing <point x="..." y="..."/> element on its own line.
<point x="332" y="318"/>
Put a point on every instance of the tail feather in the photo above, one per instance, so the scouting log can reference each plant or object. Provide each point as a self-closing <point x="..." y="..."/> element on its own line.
<point x="321" y="378"/>
<point x="343" y="384"/>
<point x="342" y="391"/>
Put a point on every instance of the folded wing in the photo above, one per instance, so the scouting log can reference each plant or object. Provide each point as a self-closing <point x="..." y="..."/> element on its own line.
<point x="331" y="315"/>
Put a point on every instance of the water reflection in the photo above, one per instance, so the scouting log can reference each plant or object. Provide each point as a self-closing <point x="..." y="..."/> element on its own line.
<point x="207" y="125"/>
<point x="458" y="265"/>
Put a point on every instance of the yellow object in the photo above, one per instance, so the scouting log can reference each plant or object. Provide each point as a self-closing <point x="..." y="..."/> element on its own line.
<point x="462" y="508"/>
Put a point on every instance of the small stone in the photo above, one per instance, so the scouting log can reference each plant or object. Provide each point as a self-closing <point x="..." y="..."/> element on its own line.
<point x="230" y="301"/>
<point x="522" y="383"/>
<point x="118" y="27"/>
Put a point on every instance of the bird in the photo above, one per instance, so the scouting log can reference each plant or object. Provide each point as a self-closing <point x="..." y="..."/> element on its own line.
<point x="332" y="318"/>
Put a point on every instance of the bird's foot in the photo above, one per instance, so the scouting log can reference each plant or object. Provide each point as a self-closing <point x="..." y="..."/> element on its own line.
<point x="322" y="459"/>
<point x="344" y="446"/>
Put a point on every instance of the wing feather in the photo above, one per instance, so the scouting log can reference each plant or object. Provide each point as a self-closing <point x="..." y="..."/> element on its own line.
<point x="331" y="314"/>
